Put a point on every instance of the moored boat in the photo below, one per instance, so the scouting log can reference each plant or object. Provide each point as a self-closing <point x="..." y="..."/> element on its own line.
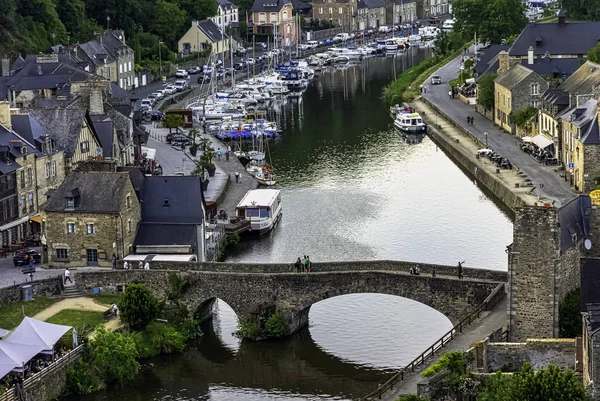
<point x="410" y="123"/>
<point x="262" y="207"/>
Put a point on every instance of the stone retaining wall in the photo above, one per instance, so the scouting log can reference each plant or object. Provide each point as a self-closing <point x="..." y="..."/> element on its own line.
<point x="45" y="287"/>
<point x="538" y="352"/>
<point x="374" y="265"/>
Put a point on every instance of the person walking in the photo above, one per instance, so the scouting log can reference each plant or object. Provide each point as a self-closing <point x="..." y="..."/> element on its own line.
<point x="298" y="265"/>
<point x="147" y="266"/>
<point x="125" y="266"/>
<point x="115" y="310"/>
<point x="141" y="265"/>
<point x="460" y="269"/>
<point x="472" y="120"/>
<point x="68" y="276"/>
<point x="114" y="261"/>
<point x="468" y="120"/>
<point x="450" y="93"/>
<point x="303" y="264"/>
<point x="308" y="264"/>
<point x="218" y="154"/>
<point x="227" y="155"/>
<point x="237" y="177"/>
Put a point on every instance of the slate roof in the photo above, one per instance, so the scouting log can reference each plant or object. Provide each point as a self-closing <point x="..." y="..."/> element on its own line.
<point x="301" y="5"/>
<point x="489" y="60"/>
<point x="96" y="53"/>
<point x="362" y="4"/>
<point x="62" y="125"/>
<point x="584" y="80"/>
<point x="269" y="5"/>
<point x="105" y="131"/>
<point x="554" y="67"/>
<point x="585" y="117"/>
<point x="568" y="38"/>
<point x="184" y="195"/>
<point x="211" y="30"/>
<point x="591" y="136"/>
<point x="512" y="77"/>
<point x="13" y="143"/>
<point x="590" y="282"/>
<point x="98" y="192"/>
<point x="225" y="4"/>
<point x="375" y="3"/>
<point x="574" y="220"/>
<point x="557" y="97"/>
<point x="150" y="234"/>
<point x="35" y="75"/>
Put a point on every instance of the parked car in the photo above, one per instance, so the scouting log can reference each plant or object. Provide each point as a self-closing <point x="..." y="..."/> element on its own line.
<point x="436" y="80"/>
<point x="146" y="104"/>
<point x="156" y="115"/>
<point x="327" y="42"/>
<point x="358" y="35"/>
<point x="181" y="74"/>
<point x="240" y="51"/>
<point x="313" y="44"/>
<point x="239" y="66"/>
<point x="22" y="257"/>
<point x="194" y="70"/>
<point x="220" y="74"/>
<point x="370" y="32"/>
<point x="179" y="139"/>
<point x="153" y="98"/>
<point x="250" y="61"/>
<point x="180" y="85"/>
<point x="170" y="89"/>
<point x="204" y="78"/>
<point x="158" y="95"/>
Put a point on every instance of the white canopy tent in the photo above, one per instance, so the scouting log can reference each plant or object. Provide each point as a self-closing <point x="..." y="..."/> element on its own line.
<point x="37" y="333"/>
<point x="6" y="364"/>
<point x="541" y="141"/>
<point x="19" y="354"/>
<point x="3" y="332"/>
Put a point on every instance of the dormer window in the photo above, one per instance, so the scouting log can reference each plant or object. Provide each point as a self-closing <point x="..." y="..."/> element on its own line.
<point x="70" y="203"/>
<point x="166" y="202"/>
<point x="24" y="150"/>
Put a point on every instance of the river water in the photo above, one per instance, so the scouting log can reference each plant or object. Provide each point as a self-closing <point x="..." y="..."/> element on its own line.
<point x="352" y="189"/>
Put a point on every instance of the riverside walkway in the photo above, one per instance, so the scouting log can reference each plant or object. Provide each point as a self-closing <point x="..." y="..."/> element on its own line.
<point x="553" y="186"/>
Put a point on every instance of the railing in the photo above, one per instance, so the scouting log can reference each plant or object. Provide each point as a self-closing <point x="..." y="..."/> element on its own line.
<point x="429" y="352"/>
<point x="73" y="355"/>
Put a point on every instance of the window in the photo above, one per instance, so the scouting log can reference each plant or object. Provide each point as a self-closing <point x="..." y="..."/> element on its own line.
<point x="62" y="254"/>
<point x="535" y="89"/>
<point x="91" y="229"/>
<point x="320" y="10"/>
<point x="273" y="17"/>
<point x="23" y="203"/>
<point x="339" y="21"/>
<point x="120" y="68"/>
<point x="71" y="228"/>
<point x="534" y="103"/>
<point x="70" y="203"/>
<point x="53" y="169"/>
<point x="129" y="225"/>
<point x="340" y="10"/>
<point x="29" y="176"/>
<point x="30" y="196"/>
<point x="129" y="66"/>
<point x="24" y="150"/>
<point x="47" y="170"/>
<point x="128" y="201"/>
<point x="166" y="202"/>
<point x="330" y="10"/>
<point x="22" y="178"/>
<point x="85" y="147"/>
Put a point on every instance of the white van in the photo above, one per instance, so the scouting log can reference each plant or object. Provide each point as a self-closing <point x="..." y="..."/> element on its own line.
<point x="313" y="44"/>
<point x="146" y="104"/>
<point x="180" y="85"/>
<point x="448" y="25"/>
<point x="384" y="29"/>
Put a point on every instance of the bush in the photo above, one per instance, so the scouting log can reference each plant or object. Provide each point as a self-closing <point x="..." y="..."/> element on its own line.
<point x="83" y="379"/>
<point x="453" y="361"/>
<point x="276" y="326"/>
<point x="410" y="397"/>
<point x="249" y="328"/>
<point x="138" y="306"/>
<point x="114" y="355"/>
<point x="158" y="338"/>
<point x="569" y="312"/>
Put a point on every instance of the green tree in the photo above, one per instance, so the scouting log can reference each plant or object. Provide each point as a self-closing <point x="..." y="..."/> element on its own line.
<point x="522" y="118"/>
<point x="441" y="44"/>
<point x="410" y="397"/>
<point x="492" y="21"/>
<point x="569" y="311"/>
<point x="198" y="9"/>
<point x="496" y="388"/>
<point x="138" y="306"/>
<point x="168" y="21"/>
<point x="582" y="10"/>
<point x="485" y="91"/>
<point x="173" y="121"/>
<point x="114" y="355"/>
<point x="275" y="326"/>
<point x="594" y="53"/>
<point x="467" y="14"/>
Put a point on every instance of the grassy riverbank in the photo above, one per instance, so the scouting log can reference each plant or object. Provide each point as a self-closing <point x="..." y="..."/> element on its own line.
<point x="398" y="91"/>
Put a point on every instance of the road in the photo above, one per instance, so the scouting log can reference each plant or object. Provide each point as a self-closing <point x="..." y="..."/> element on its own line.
<point x="553" y="186"/>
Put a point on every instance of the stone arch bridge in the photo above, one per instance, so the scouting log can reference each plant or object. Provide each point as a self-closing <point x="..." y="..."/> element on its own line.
<point x="259" y="289"/>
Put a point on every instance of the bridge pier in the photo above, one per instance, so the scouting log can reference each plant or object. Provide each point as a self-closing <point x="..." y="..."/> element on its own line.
<point x="205" y="311"/>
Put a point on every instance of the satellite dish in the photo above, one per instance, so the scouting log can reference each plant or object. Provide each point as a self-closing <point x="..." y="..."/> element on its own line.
<point x="587" y="244"/>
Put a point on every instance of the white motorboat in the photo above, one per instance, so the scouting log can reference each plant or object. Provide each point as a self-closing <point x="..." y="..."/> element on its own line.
<point x="265" y="176"/>
<point x="350" y="54"/>
<point x="262" y="207"/>
<point x="410" y="123"/>
<point x="414" y="38"/>
<point x="391" y="45"/>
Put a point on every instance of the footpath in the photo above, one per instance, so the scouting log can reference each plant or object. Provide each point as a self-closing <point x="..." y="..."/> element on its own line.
<point x="81" y="303"/>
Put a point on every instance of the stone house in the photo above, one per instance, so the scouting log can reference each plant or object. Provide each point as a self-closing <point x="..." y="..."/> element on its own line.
<point x="72" y="131"/>
<point x="270" y="16"/>
<point x="173" y="215"/>
<point x="581" y="145"/>
<point x="371" y="14"/>
<point x="558" y="40"/>
<point x="514" y="90"/>
<point x="571" y="93"/>
<point x="339" y="13"/>
<point x="227" y="13"/>
<point x="90" y="217"/>
<point x="108" y="56"/>
<point x="401" y="11"/>
<point x="203" y="35"/>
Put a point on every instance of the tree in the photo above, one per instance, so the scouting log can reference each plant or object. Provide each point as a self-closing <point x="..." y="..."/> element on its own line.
<point x="522" y="118"/>
<point x="198" y="10"/>
<point x="441" y="44"/>
<point x="594" y="54"/>
<point x="468" y="14"/>
<point x="138" y="306"/>
<point x="582" y="11"/>
<point x="114" y="355"/>
<point x="492" y="21"/>
<point x="410" y="397"/>
<point x="485" y="91"/>
<point x="569" y="312"/>
<point x="173" y="121"/>
<point x="168" y="21"/>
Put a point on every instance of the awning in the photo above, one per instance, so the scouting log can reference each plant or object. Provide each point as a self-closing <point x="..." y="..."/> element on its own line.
<point x="526" y="139"/>
<point x="541" y="141"/>
<point x="36" y="219"/>
<point x="14" y="223"/>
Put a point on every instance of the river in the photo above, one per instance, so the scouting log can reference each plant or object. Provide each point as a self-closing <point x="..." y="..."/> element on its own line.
<point x="352" y="189"/>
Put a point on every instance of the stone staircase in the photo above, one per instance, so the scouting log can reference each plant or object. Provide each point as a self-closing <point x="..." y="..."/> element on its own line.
<point x="71" y="291"/>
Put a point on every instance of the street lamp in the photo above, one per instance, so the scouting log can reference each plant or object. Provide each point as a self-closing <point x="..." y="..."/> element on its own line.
<point x="160" y="59"/>
<point x="486" y="141"/>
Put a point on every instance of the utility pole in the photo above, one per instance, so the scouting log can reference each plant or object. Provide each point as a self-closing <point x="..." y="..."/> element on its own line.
<point x="160" y="59"/>
<point x="107" y="23"/>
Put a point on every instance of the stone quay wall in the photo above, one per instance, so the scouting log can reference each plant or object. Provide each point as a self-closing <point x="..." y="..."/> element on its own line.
<point x="509" y="357"/>
<point x="373" y="265"/>
<point x="470" y="163"/>
<point x="44" y="287"/>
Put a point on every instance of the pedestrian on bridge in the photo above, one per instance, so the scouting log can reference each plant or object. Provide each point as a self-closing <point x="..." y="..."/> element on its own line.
<point x="298" y="265"/>
<point x="218" y="154"/>
<point x="460" y="269"/>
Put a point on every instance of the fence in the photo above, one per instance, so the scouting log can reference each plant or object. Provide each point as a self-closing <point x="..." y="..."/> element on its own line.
<point x="429" y="352"/>
<point x="13" y="395"/>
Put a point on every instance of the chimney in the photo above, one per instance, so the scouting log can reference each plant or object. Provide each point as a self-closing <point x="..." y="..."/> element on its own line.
<point x="503" y="64"/>
<point x="5" y="67"/>
<point x="530" y="55"/>
<point x="96" y="102"/>
<point x="5" y="114"/>
<point x="562" y="17"/>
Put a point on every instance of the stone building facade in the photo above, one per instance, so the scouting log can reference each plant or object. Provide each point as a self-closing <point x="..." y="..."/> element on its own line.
<point x="401" y="12"/>
<point x="266" y="17"/>
<point x="338" y="13"/>
<point x="83" y="226"/>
